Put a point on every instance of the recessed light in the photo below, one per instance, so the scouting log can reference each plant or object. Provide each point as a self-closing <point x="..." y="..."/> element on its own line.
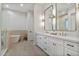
<point x="7" y="6"/>
<point x="21" y="5"/>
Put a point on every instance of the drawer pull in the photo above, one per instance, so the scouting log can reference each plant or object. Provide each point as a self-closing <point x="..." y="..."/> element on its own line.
<point x="70" y="45"/>
<point x="68" y="55"/>
<point x="45" y="48"/>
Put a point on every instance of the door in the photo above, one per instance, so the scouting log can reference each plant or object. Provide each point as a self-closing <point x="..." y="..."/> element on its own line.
<point x="0" y="41"/>
<point x="30" y="21"/>
<point x="3" y="39"/>
<point x="0" y="27"/>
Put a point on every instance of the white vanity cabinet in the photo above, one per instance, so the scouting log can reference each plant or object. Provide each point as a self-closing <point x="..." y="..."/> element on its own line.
<point x="71" y="48"/>
<point x="51" y="45"/>
<point x="57" y="46"/>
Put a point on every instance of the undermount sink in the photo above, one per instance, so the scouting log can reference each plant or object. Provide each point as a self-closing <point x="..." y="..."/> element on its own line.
<point x="53" y="33"/>
<point x="57" y="33"/>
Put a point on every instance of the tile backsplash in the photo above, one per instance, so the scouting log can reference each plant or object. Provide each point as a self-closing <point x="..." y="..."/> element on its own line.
<point x="71" y="34"/>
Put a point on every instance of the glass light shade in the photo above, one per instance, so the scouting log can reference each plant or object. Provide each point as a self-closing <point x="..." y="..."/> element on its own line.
<point x="42" y="24"/>
<point x="42" y="17"/>
<point x="54" y="21"/>
<point x="54" y="12"/>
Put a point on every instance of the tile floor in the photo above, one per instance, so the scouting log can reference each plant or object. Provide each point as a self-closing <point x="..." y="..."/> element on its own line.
<point x="25" y="48"/>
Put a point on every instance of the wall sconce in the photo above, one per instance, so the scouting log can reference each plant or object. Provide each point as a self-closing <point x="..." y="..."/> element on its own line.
<point x="54" y="21"/>
<point x="42" y="20"/>
<point x="42" y="24"/>
<point x="78" y="6"/>
<point x="42" y="17"/>
<point x="54" y="11"/>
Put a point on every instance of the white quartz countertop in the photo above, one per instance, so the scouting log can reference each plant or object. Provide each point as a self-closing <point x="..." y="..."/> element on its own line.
<point x="73" y="39"/>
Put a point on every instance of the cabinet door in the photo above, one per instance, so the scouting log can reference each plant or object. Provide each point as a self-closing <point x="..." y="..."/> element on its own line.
<point x="51" y="50"/>
<point x="45" y="46"/>
<point x="58" y="50"/>
<point x="39" y="41"/>
<point x="58" y="47"/>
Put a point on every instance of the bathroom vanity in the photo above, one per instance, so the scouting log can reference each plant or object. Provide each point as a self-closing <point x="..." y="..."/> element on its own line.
<point x="55" y="45"/>
<point x="60" y="17"/>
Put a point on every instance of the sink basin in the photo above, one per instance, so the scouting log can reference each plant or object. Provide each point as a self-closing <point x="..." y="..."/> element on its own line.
<point x="53" y="33"/>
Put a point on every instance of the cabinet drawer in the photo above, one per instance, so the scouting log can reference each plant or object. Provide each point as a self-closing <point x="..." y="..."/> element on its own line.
<point x="72" y="46"/>
<point x="69" y="52"/>
<point x="39" y="37"/>
<point x="58" y="41"/>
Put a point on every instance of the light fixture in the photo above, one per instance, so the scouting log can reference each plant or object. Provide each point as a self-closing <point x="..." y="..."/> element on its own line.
<point x="7" y="6"/>
<point x="78" y="6"/>
<point x="42" y="20"/>
<point x="42" y="17"/>
<point x="21" y="5"/>
<point x="54" y="21"/>
<point x="42" y="24"/>
<point x="54" y="11"/>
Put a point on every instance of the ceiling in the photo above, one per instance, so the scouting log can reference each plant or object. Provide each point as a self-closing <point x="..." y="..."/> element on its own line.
<point x="30" y="6"/>
<point x="17" y="6"/>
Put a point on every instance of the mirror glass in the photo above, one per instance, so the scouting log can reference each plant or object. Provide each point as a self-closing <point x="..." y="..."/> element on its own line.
<point x="66" y="16"/>
<point x="50" y="18"/>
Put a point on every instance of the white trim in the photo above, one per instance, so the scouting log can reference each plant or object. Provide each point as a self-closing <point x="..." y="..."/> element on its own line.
<point x="4" y="52"/>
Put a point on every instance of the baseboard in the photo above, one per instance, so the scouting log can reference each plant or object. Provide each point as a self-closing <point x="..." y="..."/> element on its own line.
<point x="4" y="52"/>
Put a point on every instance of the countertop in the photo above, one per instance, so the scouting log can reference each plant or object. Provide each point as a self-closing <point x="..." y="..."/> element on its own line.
<point x="67" y="38"/>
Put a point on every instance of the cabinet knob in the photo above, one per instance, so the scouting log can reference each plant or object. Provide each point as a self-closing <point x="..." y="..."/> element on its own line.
<point x="40" y="37"/>
<point x="54" y="44"/>
<point x="30" y="31"/>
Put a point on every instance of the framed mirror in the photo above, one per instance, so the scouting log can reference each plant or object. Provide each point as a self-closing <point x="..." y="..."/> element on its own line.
<point x="66" y="16"/>
<point x="50" y="18"/>
<point x="60" y="17"/>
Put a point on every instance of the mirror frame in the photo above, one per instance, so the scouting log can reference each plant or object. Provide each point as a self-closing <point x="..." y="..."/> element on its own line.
<point x="75" y="19"/>
<point x="56" y="19"/>
<point x="50" y="6"/>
